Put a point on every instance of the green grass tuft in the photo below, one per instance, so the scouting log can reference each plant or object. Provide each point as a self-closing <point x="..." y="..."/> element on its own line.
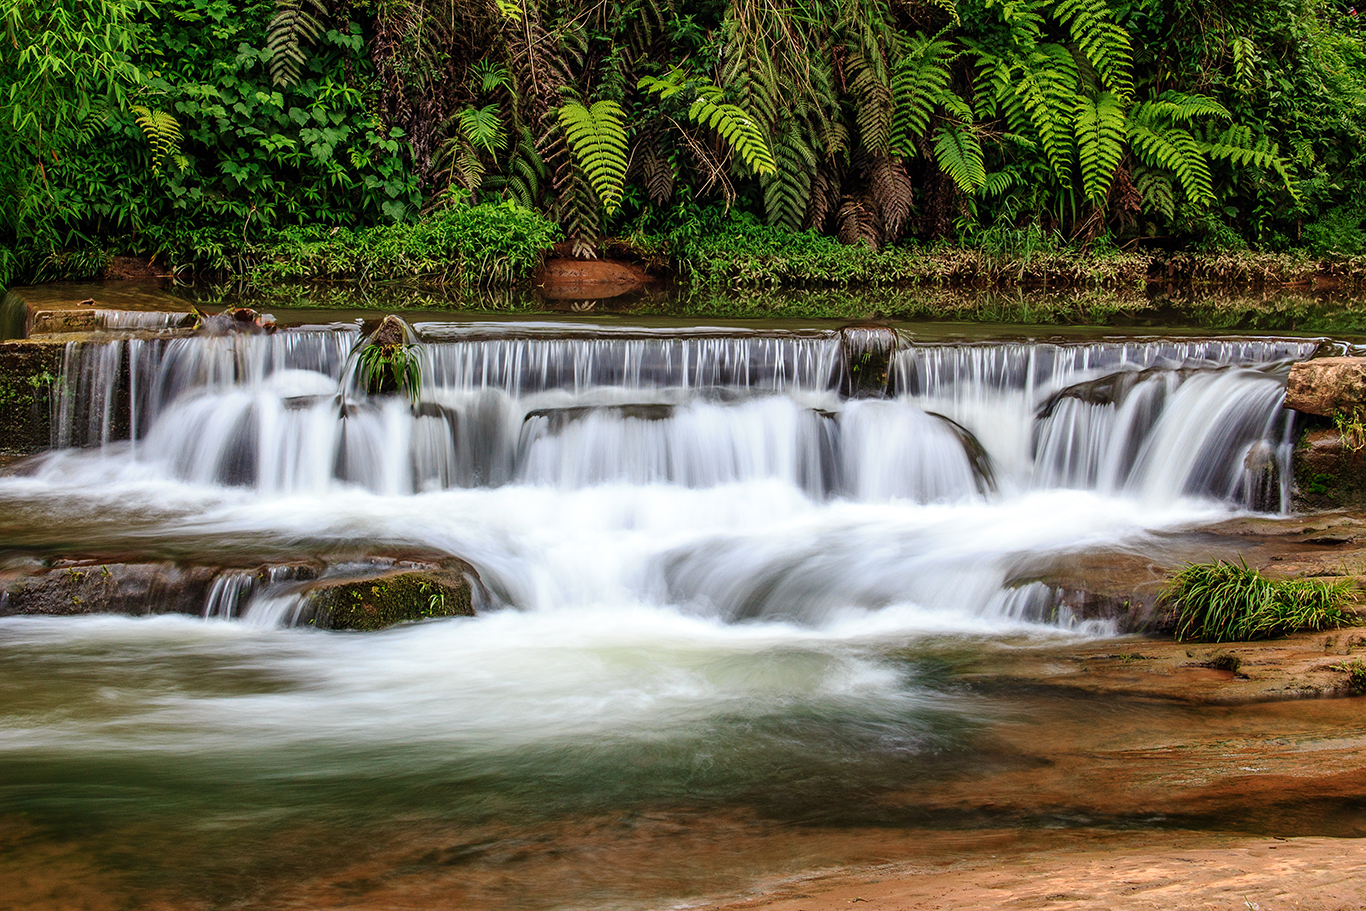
<point x="1230" y="602"/>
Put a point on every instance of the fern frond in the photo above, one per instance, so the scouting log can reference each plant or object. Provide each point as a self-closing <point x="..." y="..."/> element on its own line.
<point x="1104" y="44"/>
<point x="959" y="155"/>
<point x="483" y="127"/>
<point x="787" y="189"/>
<point x="163" y="134"/>
<point x="736" y="127"/>
<point x="891" y="191"/>
<point x="1236" y="145"/>
<point x="1179" y="107"/>
<point x="1174" y="149"/>
<point x="597" y="139"/>
<point x="1047" y="89"/>
<point x="292" y="31"/>
<point x="920" y="84"/>
<point x="1100" y="143"/>
<point x="1157" y="191"/>
<point x="738" y="130"/>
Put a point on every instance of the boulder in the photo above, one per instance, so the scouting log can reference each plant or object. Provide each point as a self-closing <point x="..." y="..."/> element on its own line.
<point x="1327" y="386"/>
<point x="379" y="600"/>
<point x="868" y="351"/>
<point x="588" y="279"/>
<point x="1329" y="472"/>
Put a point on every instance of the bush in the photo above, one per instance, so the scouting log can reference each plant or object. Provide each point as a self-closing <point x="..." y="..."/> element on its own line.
<point x="1228" y="602"/>
<point x="462" y="245"/>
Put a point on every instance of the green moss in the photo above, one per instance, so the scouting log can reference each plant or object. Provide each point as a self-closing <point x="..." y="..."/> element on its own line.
<point x="380" y="602"/>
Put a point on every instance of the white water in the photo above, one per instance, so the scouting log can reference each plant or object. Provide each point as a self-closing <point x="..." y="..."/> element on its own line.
<point x="670" y="530"/>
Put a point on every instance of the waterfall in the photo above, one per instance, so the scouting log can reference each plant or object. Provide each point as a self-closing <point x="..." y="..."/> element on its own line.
<point x="1157" y="419"/>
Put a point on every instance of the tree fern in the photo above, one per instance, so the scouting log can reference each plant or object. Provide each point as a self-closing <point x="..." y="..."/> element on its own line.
<point x="598" y="140"/>
<point x="1100" y="143"/>
<point x="163" y="135"/>
<point x="294" y="29"/>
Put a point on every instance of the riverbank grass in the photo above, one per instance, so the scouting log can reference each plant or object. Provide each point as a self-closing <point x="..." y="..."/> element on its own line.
<point x="1224" y="601"/>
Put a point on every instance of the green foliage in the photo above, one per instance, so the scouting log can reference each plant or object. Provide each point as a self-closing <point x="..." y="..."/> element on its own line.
<point x="384" y="369"/>
<point x="294" y="29"/>
<point x="1229" y="602"/>
<point x="460" y="245"/>
<point x="598" y="140"/>
<point x="200" y="131"/>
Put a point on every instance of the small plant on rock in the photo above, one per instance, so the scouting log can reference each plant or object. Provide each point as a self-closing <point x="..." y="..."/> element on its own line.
<point x="385" y="369"/>
<point x="1225" y="601"/>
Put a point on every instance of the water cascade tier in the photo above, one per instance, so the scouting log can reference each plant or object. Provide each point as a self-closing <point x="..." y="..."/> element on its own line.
<point x="729" y="474"/>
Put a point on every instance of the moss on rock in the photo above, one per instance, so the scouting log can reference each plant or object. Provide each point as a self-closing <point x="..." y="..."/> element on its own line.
<point x="381" y="601"/>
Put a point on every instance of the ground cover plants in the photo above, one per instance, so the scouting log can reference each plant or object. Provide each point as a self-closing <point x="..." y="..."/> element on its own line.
<point x="1224" y="601"/>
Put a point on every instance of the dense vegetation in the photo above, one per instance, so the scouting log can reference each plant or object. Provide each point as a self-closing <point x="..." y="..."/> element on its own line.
<point x="215" y="134"/>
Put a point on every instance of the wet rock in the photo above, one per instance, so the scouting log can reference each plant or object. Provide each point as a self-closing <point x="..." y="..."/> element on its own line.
<point x="390" y="331"/>
<point x="30" y="371"/>
<point x="1327" y="386"/>
<point x="1329" y="471"/>
<point x="868" y="351"/>
<point x="562" y="279"/>
<point x="72" y="587"/>
<point x="398" y="595"/>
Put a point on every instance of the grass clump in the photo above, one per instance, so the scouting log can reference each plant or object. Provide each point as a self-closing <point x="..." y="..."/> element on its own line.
<point x="1356" y="676"/>
<point x="1225" y="601"/>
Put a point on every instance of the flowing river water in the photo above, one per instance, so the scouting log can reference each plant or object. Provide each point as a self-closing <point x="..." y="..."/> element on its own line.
<point x="721" y="604"/>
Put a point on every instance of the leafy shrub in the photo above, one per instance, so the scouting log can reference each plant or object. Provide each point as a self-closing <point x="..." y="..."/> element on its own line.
<point x="1230" y="602"/>
<point x="462" y="245"/>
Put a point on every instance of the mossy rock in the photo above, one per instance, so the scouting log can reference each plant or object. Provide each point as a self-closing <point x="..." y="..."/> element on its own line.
<point x="381" y="601"/>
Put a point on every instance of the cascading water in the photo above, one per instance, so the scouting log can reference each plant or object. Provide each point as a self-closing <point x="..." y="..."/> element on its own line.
<point x="723" y="580"/>
<point x="618" y="427"/>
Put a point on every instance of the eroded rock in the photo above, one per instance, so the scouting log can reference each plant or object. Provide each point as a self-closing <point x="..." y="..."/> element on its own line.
<point x="1327" y="386"/>
<point x="379" y="600"/>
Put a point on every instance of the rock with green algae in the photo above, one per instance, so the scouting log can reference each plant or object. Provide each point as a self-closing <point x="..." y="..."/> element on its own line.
<point x="379" y="601"/>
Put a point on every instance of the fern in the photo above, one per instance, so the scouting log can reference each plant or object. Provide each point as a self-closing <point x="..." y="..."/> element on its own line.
<point x="293" y="29"/>
<point x="959" y="155"/>
<point x="163" y="135"/>
<point x="787" y="189"/>
<point x="736" y="128"/>
<point x="483" y="127"/>
<point x="1160" y="142"/>
<point x="920" y="84"/>
<point x="1157" y="191"/>
<point x="1047" y="88"/>
<point x="1104" y="44"/>
<point x="1236" y="144"/>
<point x="1100" y="143"/>
<point x="598" y="140"/>
<point x="891" y="191"/>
